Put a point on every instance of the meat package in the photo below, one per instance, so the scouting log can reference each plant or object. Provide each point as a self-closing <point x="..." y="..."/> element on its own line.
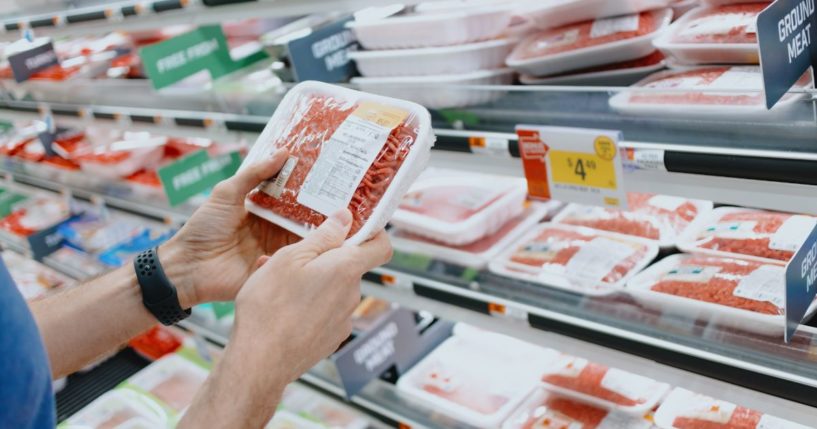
<point x="121" y="158"/>
<point x="33" y="279"/>
<point x="623" y="73"/>
<point x="589" y="44"/>
<point x="318" y="408"/>
<point x="706" y="93"/>
<point x="576" y="259"/>
<point x="458" y="208"/>
<point x="172" y="380"/>
<point x="477" y="377"/>
<point x="656" y="217"/>
<point x="556" y="13"/>
<point x="740" y="294"/>
<point x="724" y="34"/>
<point x="366" y="151"/>
<point x="759" y="235"/>
<point x="609" y="388"/>
<point x="545" y="410"/>
<point x="683" y="409"/>
<point x="36" y="214"/>
<point x="120" y="408"/>
<point x="479" y="253"/>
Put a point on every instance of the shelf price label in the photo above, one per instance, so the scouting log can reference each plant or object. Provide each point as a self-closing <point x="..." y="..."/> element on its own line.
<point x="572" y="164"/>
<point x="801" y="283"/>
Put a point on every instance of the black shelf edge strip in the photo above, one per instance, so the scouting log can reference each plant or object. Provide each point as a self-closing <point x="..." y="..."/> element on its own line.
<point x="42" y="22"/>
<point x="743" y="167"/>
<point x="143" y="119"/>
<point x="189" y="122"/>
<point x="165" y="5"/>
<point x="452" y="144"/>
<point x="374" y="278"/>
<point x="66" y="111"/>
<point x="100" y="115"/>
<point x="96" y="15"/>
<point x="129" y="11"/>
<point x="763" y="383"/>
<point x="12" y="26"/>
<point x="451" y="298"/>
<point x="244" y="126"/>
<point x="20" y="108"/>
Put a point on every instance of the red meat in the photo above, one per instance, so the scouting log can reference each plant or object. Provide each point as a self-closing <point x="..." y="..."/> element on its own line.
<point x="767" y="224"/>
<point x="650" y="60"/>
<point x="589" y="382"/>
<point x="590" y="417"/>
<point x="742" y="418"/>
<point x="737" y="34"/>
<point x="696" y="79"/>
<point x="314" y="125"/>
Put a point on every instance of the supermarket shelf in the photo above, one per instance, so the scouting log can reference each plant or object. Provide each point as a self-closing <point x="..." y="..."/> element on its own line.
<point x="99" y="17"/>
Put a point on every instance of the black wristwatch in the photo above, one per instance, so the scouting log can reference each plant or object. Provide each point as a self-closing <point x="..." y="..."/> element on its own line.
<point x="158" y="293"/>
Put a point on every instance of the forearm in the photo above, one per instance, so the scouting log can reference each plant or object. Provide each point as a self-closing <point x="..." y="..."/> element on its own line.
<point x="84" y="323"/>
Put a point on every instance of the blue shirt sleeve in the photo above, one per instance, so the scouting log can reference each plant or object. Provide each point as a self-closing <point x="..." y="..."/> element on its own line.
<point x="25" y="376"/>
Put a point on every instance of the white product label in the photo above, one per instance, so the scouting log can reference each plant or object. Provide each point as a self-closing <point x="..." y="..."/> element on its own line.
<point x="690" y="274"/>
<point x="666" y="202"/>
<point x="631" y="386"/>
<point x="475" y="199"/>
<point x="771" y="422"/>
<point x="647" y="159"/>
<point x="568" y="366"/>
<point x="766" y="283"/>
<point x="794" y="231"/>
<point x="620" y="24"/>
<point x="739" y="78"/>
<point x="710" y="410"/>
<point x="622" y="421"/>
<point x="567" y="38"/>
<point x="736" y="229"/>
<point x="492" y="146"/>
<point x="719" y="24"/>
<point x="341" y="165"/>
<point x="597" y="258"/>
<point x="275" y="187"/>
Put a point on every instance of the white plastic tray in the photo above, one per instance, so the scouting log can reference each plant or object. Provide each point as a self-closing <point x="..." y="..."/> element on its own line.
<point x="487" y="220"/>
<point x="433" y="61"/>
<point x="144" y="411"/>
<point x="687" y="240"/>
<point x="681" y="400"/>
<point x="440" y="91"/>
<point x="463" y="256"/>
<point x="414" y="163"/>
<point x="608" y="53"/>
<point x="616" y="77"/>
<point x="555" y="13"/>
<point x="502" y="264"/>
<point x="723" y="2"/>
<point x="704" y="53"/>
<point x="737" y="318"/>
<point x="433" y="29"/>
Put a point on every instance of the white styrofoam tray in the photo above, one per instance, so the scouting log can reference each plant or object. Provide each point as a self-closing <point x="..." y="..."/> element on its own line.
<point x="433" y="61"/>
<point x="592" y="56"/>
<point x="617" y="77"/>
<point x="555" y="13"/>
<point x="440" y="91"/>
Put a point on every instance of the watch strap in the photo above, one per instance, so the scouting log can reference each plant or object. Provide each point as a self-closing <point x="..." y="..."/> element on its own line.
<point x="158" y="293"/>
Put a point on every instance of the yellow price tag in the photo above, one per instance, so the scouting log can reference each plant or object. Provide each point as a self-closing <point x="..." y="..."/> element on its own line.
<point x="583" y="169"/>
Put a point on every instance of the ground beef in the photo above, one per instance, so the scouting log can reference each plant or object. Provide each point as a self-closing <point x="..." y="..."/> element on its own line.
<point x="589" y="383"/>
<point x="564" y="412"/>
<point x="732" y="23"/>
<point x="697" y="81"/>
<point x="767" y="223"/>
<point x="742" y="418"/>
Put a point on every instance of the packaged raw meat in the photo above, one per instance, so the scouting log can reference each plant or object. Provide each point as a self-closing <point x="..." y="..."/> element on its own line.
<point x="723" y="2"/>
<point x="656" y="217"/>
<point x="422" y="30"/>
<point x="440" y="91"/>
<point x="157" y="342"/>
<point x="589" y="44"/>
<point x="480" y="252"/>
<point x="366" y="151"/>
<point x="454" y="380"/>
<point x="284" y="419"/>
<point x="544" y="410"/>
<point x="683" y="409"/>
<point x="369" y="312"/>
<point x="444" y="60"/>
<point x="576" y="259"/>
<point x="124" y="252"/>
<point x="714" y="35"/>
<point x="75" y="263"/>
<point x="119" y="409"/>
<point x="94" y="232"/>
<point x="36" y="214"/>
<point x="34" y="280"/>
<point x="173" y="380"/>
<point x="329" y="413"/>
<point x="608" y="388"/>
<point x="458" y="208"/>
<point x="705" y="92"/>
<point x="556" y="13"/>
<point x="740" y="294"/>
<point x="121" y="158"/>
<point x="759" y="235"/>
<point x="624" y="73"/>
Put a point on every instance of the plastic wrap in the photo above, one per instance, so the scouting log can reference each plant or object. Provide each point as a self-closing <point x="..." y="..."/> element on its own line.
<point x="121" y="158"/>
<point x="624" y="73"/>
<point x="556" y="13"/>
<point x="608" y="388"/>
<point x="655" y="217"/>
<point x="316" y="407"/>
<point x="35" y="215"/>
<point x="93" y="233"/>
<point x="764" y="236"/>
<point x="544" y="410"/>
<point x="576" y="259"/>
<point x="589" y="43"/>
<point x="386" y="158"/>
<point x="119" y="409"/>
<point x="173" y="380"/>
<point x="683" y="409"/>
<point x="124" y="252"/>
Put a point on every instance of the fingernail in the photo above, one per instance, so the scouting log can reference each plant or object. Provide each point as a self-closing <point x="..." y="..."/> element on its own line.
<point x="343" y="217"/>
<point x="277" y="152"/>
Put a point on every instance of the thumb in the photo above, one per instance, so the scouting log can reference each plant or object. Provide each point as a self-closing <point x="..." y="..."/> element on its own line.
<point x="330" y="235"/>
<point x="236" y="188"/>
<point x="260" y="262"/>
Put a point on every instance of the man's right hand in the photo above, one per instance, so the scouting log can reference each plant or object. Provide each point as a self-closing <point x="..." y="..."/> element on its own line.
<point x="293" y="311"/>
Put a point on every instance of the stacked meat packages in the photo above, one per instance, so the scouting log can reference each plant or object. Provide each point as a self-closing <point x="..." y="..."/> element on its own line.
<point x="439" y="46"/>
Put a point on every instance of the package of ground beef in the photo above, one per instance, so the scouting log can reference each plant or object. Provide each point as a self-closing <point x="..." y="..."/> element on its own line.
<point x="656" y="217"/>
<point x="556" y="13"/>
<point x="589" y="44"/>
<point x="173" y="380"/>
<point x="120" y="158"/>
<point x="683" y="409"/>
<point x="714" y="35"/>
<point x="33" y="279"/>
<point x="609" y="388"/>
<point x="120" y="408"/>
<point x="760" y="235"/>
<point x="706" y="93"/>
<point x="576" y="259"/>
<point x="624" y="73"/>
<point x="36" y="214"/>
<point x="735" y="293"/>
<point x="546" y="410"/>
<point x="347" y="149"/>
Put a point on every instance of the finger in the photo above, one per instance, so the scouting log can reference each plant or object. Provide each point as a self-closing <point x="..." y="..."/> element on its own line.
<point x="260" y="262"/>
<point x="375" y="252"/>
<point x="236" y="188"/>
<point x="330" y="235"/>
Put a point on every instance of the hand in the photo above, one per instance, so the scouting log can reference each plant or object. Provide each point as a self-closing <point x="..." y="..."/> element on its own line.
<point x="215" y="252"/>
